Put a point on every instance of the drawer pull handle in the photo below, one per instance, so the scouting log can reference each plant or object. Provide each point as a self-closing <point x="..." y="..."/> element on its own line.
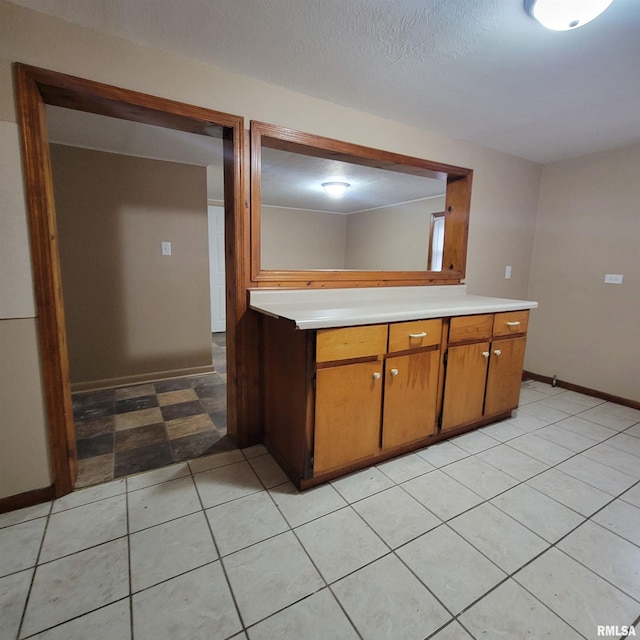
<point x="498" y="352"/>
<point x="394" y="372"/>
<point x="485" y="354"/>
<point x="422" y="334"/>
<point x="377" y="375"/>
<point x="515" y="323"/>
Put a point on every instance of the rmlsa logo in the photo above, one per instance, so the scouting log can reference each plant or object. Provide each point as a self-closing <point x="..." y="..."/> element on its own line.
<point x="614" y="630"/>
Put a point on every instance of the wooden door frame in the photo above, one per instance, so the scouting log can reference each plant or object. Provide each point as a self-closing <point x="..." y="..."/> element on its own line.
<point x="36" y="88"/>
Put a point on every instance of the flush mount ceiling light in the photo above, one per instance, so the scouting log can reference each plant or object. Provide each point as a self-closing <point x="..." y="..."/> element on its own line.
<point x="335" y="189"/>
<point x="564" y="15"/>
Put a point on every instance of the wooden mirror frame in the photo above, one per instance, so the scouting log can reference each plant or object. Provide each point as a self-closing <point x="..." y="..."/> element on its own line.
<point x="457" y="206"/>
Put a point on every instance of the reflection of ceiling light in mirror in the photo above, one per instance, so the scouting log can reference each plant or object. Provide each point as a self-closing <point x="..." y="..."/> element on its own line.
<point x="563" y="15"/>
<point x="335" y="189"/>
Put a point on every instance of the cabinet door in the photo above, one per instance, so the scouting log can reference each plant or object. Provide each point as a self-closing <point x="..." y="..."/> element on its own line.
<point x="464" y="384"/>
<point x="505" y="375"/>
<point x="347" y="415"/>
<point x="411" y="385"/>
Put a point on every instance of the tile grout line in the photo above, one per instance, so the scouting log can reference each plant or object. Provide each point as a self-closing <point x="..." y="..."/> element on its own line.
<point x="219" y="558"/>
<point x="33" y="575"/>
<point x="130" y="596"/>
<point x="327" y="585"/>
<point x="393" y="551"/>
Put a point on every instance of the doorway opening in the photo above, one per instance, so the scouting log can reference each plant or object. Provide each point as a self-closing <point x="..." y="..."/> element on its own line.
<point x="140" y="220"/>
<point x="36" y="88"/>
<point x="129" y="429"/>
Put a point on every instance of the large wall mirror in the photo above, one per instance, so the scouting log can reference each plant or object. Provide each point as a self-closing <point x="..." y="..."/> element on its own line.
<point x="395" y="218"/>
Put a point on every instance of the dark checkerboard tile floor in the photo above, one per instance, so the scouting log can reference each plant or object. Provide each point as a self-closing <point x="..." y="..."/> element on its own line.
<point x="126" y="430"/>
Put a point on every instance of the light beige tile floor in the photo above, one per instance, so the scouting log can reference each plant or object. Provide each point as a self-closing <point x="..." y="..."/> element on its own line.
<point x="524" y="529"/>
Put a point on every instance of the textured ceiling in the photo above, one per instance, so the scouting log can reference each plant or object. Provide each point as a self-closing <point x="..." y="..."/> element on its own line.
<point x="288" y="179"/>
<point x="477" y="70"/>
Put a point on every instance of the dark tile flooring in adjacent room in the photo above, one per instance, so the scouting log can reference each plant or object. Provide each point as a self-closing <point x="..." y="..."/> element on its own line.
<point x="126" y="430"/>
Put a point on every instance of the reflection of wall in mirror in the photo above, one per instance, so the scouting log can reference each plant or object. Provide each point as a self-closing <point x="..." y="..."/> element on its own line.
<point x="393" y="238"/>
<point x="298" y="239"/>
<point x="436" y="250"/>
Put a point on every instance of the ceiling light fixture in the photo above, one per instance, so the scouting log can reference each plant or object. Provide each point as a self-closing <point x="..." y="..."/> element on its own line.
<point x="335" y="189"/>
<point x="564" y="15"/>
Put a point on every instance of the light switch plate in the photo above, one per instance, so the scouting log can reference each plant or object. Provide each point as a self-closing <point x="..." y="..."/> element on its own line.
<point x="166" y="248"/>
<point x="507" y="273"/>
<point x="613" y="278"/>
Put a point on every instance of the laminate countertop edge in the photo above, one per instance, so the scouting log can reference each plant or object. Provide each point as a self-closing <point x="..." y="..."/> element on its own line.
<point x="330" y="308"/>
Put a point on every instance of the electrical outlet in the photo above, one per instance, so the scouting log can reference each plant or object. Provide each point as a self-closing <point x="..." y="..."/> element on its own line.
<point x="613" y="278"/>
<point x="166" y="248"/>
<point x="507" y="273"/>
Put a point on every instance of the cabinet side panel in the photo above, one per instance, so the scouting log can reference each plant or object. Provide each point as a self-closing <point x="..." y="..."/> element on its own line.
<point x="505" y="374"/>
<point x="284" y="368"/>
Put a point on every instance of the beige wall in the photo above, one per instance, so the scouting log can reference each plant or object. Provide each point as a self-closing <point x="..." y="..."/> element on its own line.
<point x="505" y="191"/>
<point x="293" y="239"/>
<point x="394" y="237"/>
<point x="389" y="238"/>
<point x="23" y="445"/>
<point x="587" y="332"/>
<point x="129" y="310"/>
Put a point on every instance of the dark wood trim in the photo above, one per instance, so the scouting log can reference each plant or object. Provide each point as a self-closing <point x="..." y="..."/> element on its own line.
<point x="458" y="202"/>
<point x="47" y="278"/>
<point x="27" y="499"/>
<point x="34" y="89"/>
<point x="627" y="402"/>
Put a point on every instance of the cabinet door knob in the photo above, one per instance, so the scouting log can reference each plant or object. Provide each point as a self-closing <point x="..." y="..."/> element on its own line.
<point x="498" y="352"/>
<point x="394" y="372"/>
<point x="422" y="334"/>
<point x="485" y="354"/>
<point x="377" y="375"/>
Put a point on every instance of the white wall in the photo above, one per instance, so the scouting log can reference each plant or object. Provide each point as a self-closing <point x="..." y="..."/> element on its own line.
<point x="587" y="332"/>
<point x="391" y="238"/>
<point x="503" y="206"/>
<point x="294" y="239"/>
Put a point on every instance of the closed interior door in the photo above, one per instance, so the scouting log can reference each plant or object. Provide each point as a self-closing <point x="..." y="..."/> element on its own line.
<point x="217" y="268"/>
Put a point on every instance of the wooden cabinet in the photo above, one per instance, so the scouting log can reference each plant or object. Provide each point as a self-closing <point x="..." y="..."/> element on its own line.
<point x="484" y="367"/>
<point x="411" y="382"/>
<point x="505" y="372"/>
<point x="347" y="414"/>
<point x="464" y="384"/>
<point x="401" y="375"/>
<point x="336" y="400"/>
<point x="410" y="394"/>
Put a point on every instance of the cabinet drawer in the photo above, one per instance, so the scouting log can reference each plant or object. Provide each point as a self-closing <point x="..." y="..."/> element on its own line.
<point x="351" y="342"/>
<point x="510" y="323"/>
<point x="467" y="328"/>
<point x="412" y="335"/>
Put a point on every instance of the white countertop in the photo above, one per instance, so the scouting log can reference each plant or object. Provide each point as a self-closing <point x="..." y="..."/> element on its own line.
<point x="324" y="308"/>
